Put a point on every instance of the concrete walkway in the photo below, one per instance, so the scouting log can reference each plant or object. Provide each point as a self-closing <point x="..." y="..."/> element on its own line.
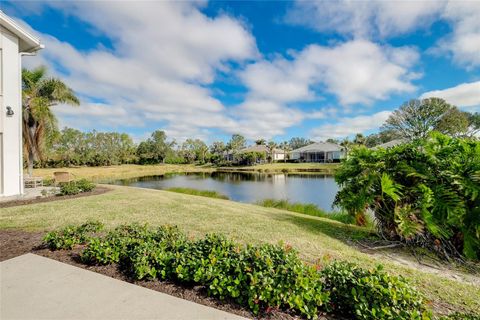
<point x="34" y="287"/>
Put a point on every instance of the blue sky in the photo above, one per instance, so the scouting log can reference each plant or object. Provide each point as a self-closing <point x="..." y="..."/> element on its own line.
<point x="272" y="69"/>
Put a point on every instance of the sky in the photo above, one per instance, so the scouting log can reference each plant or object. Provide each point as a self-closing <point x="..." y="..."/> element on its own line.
<point x="271" y="70"/>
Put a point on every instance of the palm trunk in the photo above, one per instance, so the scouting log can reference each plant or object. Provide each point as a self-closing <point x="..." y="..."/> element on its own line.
<point x="31" y="159"/>
<point x="31" y="149"/>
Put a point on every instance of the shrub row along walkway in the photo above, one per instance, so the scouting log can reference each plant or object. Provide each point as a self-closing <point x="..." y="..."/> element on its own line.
<point x="35" y="287"/>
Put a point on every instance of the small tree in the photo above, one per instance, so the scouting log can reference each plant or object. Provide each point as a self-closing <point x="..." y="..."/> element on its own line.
<point x="298" y="142"/>
<point x="155" y="149"/>
<point x="39" y="95"/>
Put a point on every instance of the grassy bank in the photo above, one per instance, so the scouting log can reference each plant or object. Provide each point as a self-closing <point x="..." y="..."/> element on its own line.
<point x="325" y="168"/>
<point x="99" y="174"/>
<point x="314" y="237"/>
<point x="306" y="208"/>
<point x="196" y="192"/>
<point x="121" y="172"/>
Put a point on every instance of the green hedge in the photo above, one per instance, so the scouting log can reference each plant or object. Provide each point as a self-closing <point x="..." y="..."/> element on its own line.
<point x="261" y="278"/>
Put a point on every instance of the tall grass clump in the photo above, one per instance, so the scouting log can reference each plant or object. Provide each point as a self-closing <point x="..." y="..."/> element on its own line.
<point x="306" y="208"/>
<point x="196" y="192"/>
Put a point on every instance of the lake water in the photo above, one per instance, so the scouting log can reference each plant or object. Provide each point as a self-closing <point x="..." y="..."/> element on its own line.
<point x="249" y="187"/>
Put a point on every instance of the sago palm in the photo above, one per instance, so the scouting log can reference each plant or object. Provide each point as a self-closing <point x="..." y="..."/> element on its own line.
<point x="39" y="94"/>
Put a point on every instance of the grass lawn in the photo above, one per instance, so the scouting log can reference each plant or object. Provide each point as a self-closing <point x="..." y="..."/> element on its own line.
<point x="126" y="171"/>
<point x="314" y="237"/>
<point x="121" y="171"/>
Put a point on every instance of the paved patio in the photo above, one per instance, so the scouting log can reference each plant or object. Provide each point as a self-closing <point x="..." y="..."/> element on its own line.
<point x="31" y="193"/>
<point x="34" y="287"/>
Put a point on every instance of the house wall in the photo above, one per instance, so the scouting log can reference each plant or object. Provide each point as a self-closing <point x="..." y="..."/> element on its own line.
<point x="11" y="178"/>
<point x="278" y="156"/>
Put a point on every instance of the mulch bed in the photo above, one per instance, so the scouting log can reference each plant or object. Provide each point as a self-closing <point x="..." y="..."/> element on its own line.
<point x="14" y="203"/>
<point x="14" y="243"/>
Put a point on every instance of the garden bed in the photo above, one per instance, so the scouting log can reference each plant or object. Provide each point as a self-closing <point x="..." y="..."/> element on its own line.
<point x="21" y="202"/>
<point x="14" y="243"/>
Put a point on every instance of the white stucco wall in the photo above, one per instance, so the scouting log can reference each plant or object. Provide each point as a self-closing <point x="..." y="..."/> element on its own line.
<point x="278" y="156"/>
<point x="11" y="179"/>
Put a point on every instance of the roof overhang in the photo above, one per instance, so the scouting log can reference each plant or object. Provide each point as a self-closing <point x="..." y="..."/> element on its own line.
<point x="27" y="42"/>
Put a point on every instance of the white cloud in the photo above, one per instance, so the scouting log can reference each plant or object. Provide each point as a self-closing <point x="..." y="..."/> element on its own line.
<point x="345" y="127"/>
<point x="464" y="95"/>
<point x="356" y="71"/>
<point x="384" y="19"/>
<point x="376" y="18"/>
<point x="464" y="41"/>
<point x="164" y="55"/>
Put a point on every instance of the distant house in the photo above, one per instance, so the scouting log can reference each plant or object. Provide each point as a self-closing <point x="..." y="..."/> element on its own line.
<point x="390" y="144"/>
<point x="14" y="42"/>
<point x="318" y="152"/>
<point x="277" y="154"/>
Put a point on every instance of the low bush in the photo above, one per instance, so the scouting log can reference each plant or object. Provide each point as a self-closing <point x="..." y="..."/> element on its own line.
<point x="261" y="278"/>
<point x="75" y="187"/>
<point x="306" y="208"/>
<point x="195" y="192"/>
<point x="70" y="236"/>
<point x="371" y="294"/>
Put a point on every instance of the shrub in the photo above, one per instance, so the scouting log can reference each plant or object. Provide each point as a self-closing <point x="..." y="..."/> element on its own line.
<point x="75" y="187"/>
<point x="69" y="188"/>
<point x="371" y="294"/>
<point x="425" y="193"/>
<point x="85" y="185"/>
<point x="261" y="277"/>
<point x="70" y="236"/>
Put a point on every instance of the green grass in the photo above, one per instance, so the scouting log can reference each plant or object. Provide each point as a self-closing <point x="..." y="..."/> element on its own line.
<point x="314" y="237"/>
<point x="99" y="174"/>
<point x="125" y="171"/>
<point x="306" y="208"/>
<point x="196" y="192"/>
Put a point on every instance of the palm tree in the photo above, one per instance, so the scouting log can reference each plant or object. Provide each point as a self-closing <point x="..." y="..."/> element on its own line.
<point x="271" y="150"/>
<point x="39" y="95"/>
<point x="285" y="146"/>
<point x="346" y="145"/>
<point x="260" y="142"/>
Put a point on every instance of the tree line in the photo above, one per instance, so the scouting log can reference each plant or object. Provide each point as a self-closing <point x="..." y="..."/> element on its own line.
<point x="72" y="147"/>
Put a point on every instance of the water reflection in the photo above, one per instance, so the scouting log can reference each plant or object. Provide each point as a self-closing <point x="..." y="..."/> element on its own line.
<point x="248" y="187"/>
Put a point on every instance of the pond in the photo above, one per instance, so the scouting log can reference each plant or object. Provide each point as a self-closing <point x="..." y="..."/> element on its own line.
<point x="249" y="187"/>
